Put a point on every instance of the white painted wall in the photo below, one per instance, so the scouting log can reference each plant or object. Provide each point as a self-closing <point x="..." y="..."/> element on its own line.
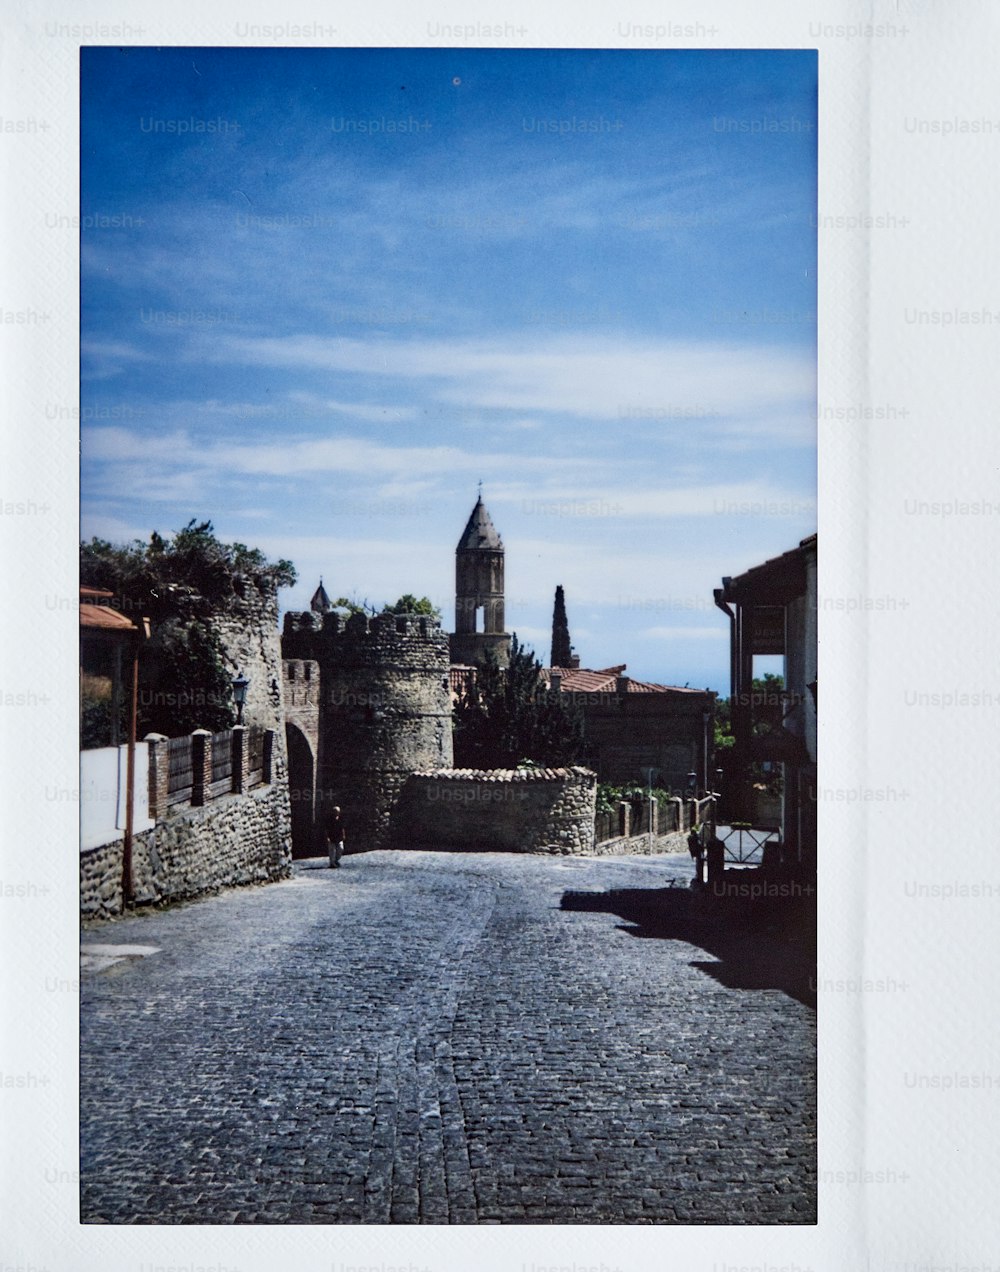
<point x="102" y="794"/>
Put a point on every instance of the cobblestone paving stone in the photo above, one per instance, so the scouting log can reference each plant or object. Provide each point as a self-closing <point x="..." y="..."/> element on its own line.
<point x="434" y="1038"/>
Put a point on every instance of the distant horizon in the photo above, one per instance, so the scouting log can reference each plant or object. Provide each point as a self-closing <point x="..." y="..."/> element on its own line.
<point x="326" y="291"/>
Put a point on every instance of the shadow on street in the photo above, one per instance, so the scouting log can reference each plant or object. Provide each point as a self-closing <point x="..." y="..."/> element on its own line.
<point x="765" y="943"/>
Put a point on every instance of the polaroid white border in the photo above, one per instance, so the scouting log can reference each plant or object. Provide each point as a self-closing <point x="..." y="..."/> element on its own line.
<point x="910" y="689"/>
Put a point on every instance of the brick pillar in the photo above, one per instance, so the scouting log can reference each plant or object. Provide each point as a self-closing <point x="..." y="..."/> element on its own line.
<point x="268" y="756"/>
<point x="201" y="765"/>
<point x="624" y="819"/>
<point x="159" y="775"/>
<point x="241" y="760"/>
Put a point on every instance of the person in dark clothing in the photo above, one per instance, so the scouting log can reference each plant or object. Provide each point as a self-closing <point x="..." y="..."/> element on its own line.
<point x="335" y="838"/>
<point x="696" y="849"/>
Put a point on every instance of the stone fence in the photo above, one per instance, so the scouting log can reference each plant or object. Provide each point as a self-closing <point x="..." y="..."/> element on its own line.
<point x="236" y="840"/>
<point x="201" y="766"/>
<point x="649" y="827"/>
<point x="498" y="810"/>
<point x="216" y="820"/>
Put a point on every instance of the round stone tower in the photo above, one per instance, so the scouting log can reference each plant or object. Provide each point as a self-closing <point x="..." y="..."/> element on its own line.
<point x="384" y="712"/>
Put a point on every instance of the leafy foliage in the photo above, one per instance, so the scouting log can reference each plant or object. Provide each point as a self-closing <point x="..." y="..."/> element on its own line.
<point x="408" y="604"/>
<point x="509" y="718"/>
<point x="610" y="796"/>
<point x="180" y="585"/>
<point x="193" y="574"/>
<point x="768" y="705"/>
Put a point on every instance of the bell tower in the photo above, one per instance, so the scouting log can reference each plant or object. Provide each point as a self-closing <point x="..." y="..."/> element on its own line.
<point x="479" y="616"/>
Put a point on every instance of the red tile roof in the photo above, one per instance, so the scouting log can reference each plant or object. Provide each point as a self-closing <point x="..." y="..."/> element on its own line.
<point x="106" y="618"/>
<point x="575" y="680"/>
<point x="95" y="615"/>
<point x="583" y="680"/>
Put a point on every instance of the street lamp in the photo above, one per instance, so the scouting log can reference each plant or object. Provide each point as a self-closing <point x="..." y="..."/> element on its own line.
<point x="240" y="695"/>
<point x="706" y="717"/>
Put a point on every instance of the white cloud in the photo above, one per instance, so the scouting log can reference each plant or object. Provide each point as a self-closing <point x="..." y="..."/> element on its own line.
<point x="673" y="384"/>
<point x="104" y="359"/>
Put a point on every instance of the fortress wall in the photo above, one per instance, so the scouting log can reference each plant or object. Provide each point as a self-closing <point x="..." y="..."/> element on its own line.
<point x="384" y="711"/>
<point x="498" y="810"/>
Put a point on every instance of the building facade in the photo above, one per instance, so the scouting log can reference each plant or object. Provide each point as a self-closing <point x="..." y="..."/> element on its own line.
<point x="636" y="730"/>
<point x="772" y="610"/>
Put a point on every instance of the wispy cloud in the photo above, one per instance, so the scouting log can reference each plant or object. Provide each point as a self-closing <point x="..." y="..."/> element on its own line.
<point x="672" y="384"/>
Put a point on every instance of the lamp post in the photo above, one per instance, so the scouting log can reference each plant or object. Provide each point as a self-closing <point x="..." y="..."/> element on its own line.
<point x="240" y="695"/>
<point x="706" y="717"/>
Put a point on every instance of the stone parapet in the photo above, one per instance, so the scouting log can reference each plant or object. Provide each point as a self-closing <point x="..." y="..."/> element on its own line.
<point x="498" y="810"/>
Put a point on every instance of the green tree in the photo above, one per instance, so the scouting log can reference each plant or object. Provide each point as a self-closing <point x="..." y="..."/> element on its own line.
<point x="181" y="585"/>
<point x="767" y="706"/>
<point x="562" y="650"/>
<point x="508" y="717"/>
<point x="408" y="604"/>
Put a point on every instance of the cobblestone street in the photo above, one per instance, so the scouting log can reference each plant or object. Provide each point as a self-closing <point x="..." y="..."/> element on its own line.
<point x="447" y="1038"/>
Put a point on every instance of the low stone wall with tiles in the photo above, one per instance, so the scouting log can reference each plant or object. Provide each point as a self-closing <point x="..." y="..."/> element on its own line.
<point x="238" y="839"/>
<point x="498" y="810"/>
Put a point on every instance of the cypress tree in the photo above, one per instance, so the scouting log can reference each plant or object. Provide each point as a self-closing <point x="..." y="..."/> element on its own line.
<point x="561" y="650"/>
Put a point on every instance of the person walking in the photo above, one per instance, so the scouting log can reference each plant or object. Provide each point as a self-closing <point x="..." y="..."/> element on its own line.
<point x="335" y="838"/>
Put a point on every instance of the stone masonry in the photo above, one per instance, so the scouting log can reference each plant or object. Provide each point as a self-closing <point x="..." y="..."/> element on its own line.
<point x="384" y="712"/>
<point x="238" y="839"/>
<point x="500" y="810"/>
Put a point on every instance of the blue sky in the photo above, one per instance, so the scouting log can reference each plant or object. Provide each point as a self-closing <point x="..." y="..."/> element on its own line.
<point x="325" y="292"/>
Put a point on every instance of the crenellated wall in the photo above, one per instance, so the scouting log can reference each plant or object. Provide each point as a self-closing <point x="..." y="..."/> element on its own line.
<point x="381" y="710"/>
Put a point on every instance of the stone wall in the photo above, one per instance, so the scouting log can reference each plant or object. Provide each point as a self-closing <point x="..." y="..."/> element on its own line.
<point x="251" y="643"/>
<point x="500" y="810"/>
<point x="238" y="839"/>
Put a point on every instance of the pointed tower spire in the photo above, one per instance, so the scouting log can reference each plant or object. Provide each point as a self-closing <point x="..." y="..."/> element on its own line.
<point x="480" y="531"/>
<point x="320" y="603"/>
<point x="562" y="652"/>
